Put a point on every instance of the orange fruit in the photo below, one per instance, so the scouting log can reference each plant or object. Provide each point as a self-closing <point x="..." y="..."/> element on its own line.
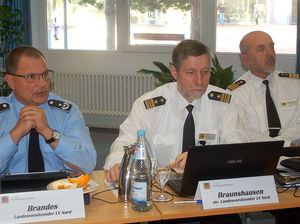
<point x="72" y="180"/>
<point x="61" y="186"/>
<point x="81" y="181"/>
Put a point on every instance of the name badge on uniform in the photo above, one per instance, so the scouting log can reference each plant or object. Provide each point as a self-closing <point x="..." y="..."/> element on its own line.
<point x="289" y="103"/>
<point x="205" y="138"/>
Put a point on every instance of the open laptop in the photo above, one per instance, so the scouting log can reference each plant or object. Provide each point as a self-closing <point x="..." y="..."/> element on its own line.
<point x="21" y="182"/>
<point x="226" y="161"/>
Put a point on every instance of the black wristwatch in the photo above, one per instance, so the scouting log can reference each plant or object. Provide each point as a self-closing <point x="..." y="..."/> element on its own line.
<point x="55" y="136"/>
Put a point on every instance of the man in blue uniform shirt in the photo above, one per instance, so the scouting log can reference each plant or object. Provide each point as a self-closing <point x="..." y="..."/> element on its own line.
<point x="63" y="139"/>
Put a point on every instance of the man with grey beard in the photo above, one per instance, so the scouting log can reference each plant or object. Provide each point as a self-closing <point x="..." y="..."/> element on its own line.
<point x="268" y="101"/>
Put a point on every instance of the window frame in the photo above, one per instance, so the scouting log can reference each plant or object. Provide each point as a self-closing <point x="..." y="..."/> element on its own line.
<point x="123" y="27"/>
<point x="135" y="56"/>
<point x="207" y="34"/>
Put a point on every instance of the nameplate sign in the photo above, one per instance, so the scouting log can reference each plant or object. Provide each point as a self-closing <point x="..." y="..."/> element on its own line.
<point x="237" y="192"/>
<point x="38" y="206"/>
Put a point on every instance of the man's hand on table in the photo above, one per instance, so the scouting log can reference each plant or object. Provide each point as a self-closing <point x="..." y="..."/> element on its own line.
<point x="179" y="161"/>
<point x="112" y="175"/>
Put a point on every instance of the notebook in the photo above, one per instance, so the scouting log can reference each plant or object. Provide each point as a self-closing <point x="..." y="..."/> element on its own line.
<point x="288" y="172"/>
<point x="291" y="163"/>
<point x="287" y="180"/>
<point x="21" y="182"/>
<point x="226" y="161"/>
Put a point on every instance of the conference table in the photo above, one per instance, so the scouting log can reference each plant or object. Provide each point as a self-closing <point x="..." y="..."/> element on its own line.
<point x="103" y="212"/>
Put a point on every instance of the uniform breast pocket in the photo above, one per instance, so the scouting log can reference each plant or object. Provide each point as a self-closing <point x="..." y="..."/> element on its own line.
<point x="207" y="137"/>
<point x="288" y="104"/>
<point x="288" y="111"/>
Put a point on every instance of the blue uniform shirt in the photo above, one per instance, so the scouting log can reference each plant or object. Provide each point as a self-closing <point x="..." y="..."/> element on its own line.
<point x="75" y="145"/>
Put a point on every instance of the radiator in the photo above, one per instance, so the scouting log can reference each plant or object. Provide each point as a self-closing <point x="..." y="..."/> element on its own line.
<point x="102" y="94"/>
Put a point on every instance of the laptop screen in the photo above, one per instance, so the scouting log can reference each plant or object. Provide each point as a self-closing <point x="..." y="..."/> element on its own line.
<point x="29" y="181"/>
<point x="229" y="161"/>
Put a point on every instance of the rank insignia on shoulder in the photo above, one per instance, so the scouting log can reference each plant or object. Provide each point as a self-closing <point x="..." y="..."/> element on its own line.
<point x="236" y="84"/>
<point x="289" y="75"/>
<point x="60" y="105"/>
<point x="218" y="96"/>
<point x="154" y="102"/>
<point x="4" y="107"/>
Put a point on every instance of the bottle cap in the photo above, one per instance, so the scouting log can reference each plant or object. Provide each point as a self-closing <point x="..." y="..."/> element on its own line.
<point x="141" y="133"/>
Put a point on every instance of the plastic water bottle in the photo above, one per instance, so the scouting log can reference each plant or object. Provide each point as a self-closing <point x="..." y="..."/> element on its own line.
<point x="141" y="177"/>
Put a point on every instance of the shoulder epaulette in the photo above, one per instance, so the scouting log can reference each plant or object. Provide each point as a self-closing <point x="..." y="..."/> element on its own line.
<point x="289" y="75"/>
<point x="236" y="84"/>
<point x="60" y="105"/>
<point x="154" y="102"/>
<point x="218" y="96"/>
<point x="4" y="107"/>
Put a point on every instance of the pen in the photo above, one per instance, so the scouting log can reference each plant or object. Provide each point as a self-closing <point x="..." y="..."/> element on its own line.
<point x="188" y="201"/>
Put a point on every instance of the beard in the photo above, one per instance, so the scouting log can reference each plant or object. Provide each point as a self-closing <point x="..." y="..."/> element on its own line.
<point x="266" y="68"/>
<point x="191" y="95"/>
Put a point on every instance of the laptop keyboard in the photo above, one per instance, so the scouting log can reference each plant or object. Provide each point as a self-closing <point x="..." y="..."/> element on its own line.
<point x="175" y="184"/>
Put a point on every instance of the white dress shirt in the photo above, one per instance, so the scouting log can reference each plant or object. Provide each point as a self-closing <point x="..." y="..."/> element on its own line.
<point x="250" y="102"/>
<point x="218" y="121"/>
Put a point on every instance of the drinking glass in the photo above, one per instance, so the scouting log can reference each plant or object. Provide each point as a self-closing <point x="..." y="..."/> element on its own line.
<point x="162" y="175"/>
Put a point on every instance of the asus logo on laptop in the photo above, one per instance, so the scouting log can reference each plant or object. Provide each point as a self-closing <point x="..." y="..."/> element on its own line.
<point x="234" y="161"/>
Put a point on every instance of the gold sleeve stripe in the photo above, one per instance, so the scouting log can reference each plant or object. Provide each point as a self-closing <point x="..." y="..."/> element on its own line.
<point x="236" y="84"/>
<point x="154" y="102"/>
<point x="218" y="96"/>
<point x="225" y="98"/>
<point x="149" y="103"/>
<point x="289" y="75"/>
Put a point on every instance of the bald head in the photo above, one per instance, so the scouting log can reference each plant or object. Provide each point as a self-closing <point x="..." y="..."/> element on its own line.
<point x="257" y="53"/>
<point x="252" y="37"/>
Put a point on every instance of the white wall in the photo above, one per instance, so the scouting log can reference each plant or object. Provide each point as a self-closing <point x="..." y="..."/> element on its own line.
<point x="286" y="63"/>
<point x="121" y="61"/>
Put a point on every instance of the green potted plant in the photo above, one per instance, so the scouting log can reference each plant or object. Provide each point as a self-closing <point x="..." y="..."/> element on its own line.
<point x="11" y="32"/>
<point x="4" y="88"/>
<point x="220" y="77"/>
<point x="161" y="77"/>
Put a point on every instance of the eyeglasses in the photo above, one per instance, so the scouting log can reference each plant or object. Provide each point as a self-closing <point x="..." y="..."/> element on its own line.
<point x="32" y="77"/>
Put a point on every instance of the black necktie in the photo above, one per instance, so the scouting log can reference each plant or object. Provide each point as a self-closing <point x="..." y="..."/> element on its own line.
<point x="188" y="130"/>
<point x="35" y="157"/>
<point x="273" y="118"/>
